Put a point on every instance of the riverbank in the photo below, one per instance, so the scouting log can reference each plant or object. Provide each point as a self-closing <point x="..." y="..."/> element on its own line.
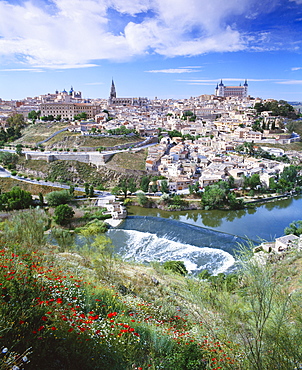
<point x="190" y="204"/>
<point x="261" y="221"/>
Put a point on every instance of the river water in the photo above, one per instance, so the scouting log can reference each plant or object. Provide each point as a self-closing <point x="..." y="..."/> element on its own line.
<point x="202" y="239"/>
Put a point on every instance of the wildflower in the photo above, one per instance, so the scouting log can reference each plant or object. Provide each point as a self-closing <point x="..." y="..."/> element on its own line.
<point x="112" y="314"/>
<point x="4" y="350"/>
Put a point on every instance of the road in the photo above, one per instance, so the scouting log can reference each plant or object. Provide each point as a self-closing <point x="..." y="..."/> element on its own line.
<point x="5" y="173"/>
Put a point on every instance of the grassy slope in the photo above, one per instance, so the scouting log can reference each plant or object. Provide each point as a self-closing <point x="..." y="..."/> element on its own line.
<point x="38" y="132"/>
<point x="7" y="183"/>
<point x="128" y="160"/>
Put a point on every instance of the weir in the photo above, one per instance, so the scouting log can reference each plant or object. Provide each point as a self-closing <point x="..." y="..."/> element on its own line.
<point x="148" y="239"/>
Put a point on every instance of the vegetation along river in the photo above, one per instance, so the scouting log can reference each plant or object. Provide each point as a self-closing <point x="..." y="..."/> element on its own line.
<point x="202" y="239"/>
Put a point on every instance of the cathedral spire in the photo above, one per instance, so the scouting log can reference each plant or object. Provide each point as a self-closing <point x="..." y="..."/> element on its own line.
<point x="112" y="91"/>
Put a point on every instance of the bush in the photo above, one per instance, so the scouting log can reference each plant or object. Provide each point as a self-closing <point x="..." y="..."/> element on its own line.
<point x="63" y="214"/>
<point x="176" y="266"/>
<point x="15" y="199"/>
<point x="56" y="198"/>
<point x="142" y="199"/>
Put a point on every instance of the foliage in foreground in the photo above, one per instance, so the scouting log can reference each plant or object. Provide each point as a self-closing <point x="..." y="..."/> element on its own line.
<point x="81" y="312"/>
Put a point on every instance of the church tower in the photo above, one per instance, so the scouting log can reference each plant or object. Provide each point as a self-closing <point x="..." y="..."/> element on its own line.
<point x="219" y="91"/>
<point x="245" y="88"/>
<point x="112" y="92"/>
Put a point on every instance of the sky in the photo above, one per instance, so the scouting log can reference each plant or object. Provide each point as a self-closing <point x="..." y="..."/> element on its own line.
<point x="150" y="48"/>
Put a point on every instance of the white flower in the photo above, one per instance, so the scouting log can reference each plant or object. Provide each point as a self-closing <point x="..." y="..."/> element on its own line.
<point x="4" y="350"/>
<point x="24" y="358"/>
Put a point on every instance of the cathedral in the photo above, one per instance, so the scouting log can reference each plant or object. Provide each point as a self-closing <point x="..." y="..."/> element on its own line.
<point x="113" y="100"/>
<point x="233" y="91"/>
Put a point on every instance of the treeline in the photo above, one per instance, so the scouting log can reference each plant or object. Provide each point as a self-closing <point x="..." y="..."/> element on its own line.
<point x="278" y="108"/>
<point x="13" y="130"/>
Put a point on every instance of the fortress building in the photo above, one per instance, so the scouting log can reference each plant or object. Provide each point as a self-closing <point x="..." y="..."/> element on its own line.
<point x="114" y="101"/>
<point x="233" y="91"/>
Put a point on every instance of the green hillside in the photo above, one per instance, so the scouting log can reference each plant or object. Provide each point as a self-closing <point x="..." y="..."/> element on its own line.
<point x="69" y="307"/>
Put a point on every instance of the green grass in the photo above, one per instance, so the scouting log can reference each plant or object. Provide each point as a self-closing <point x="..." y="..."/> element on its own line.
<point x="91" y="310"/>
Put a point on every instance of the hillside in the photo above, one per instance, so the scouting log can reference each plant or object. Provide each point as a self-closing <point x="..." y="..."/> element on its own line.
<point x="85" y="308"/>
<point x="75" y="172"/>
<point x="33" y="134"/>
<point x="121" y="165"/>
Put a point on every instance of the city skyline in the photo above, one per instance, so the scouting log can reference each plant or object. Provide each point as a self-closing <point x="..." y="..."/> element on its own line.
<point x="169" y="49"/>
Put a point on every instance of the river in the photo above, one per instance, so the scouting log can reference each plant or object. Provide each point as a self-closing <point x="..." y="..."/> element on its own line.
<point x="202" y="239"/>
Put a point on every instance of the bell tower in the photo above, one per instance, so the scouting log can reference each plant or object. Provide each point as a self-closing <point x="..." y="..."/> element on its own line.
<point x="112" y="91"/>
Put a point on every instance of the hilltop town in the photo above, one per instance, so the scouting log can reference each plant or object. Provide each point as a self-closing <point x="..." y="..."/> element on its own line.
<point x="200" y="140"/>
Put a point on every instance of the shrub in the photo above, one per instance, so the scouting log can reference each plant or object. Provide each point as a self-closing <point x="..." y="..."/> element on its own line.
<point x="14" y="199"/>
<point x="63" y="214"/>
<point x="55" y="198"/>
<point x="177" y="267"/>
<point x="142" y="199"/>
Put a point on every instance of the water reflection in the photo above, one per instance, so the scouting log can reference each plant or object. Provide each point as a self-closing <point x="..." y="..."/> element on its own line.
<point x="265" y="221"/>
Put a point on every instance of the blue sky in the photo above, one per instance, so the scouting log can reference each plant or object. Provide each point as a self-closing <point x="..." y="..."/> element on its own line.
<point x="151" y="48"/>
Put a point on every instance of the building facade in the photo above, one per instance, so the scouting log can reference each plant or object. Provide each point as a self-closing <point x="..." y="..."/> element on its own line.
<point x="69" y="110"/>
<point x="113" y="100"/>
<point x="232" y="91"/>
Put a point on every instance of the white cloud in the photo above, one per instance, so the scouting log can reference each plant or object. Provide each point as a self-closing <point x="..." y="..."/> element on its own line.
<point x="175" y="70"/>
<point x="299" y="2"/>
<point x="21" y="70"/>
<point x="296" y="68"/>
<point x="290" y="82"/>
<point x="71" y="33"/>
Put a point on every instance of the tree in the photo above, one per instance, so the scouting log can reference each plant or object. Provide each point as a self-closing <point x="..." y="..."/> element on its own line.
<point x="254" y="181"/>
<point x="86" y="185"/>
<point x="294" y="227"/>
<point x="33" y="115"/>
<point x="19" y="149"/>
<point x="71" y="190"/>
<point x="231" y="182"/>
<point x="41" y="199"/>
<point x="16" y="121"/>
<point x="56" y="198"/>
<point x="123" y="185"/>
<point x="7" y="158"/>
<point x="16" y="198"/>
<point x="91" y="191"/>
<point x="154" y="187"/>
<point x="142" y="199"/>
<point x="63" y="214"/>
<point x="213" y="196"/>
<point x="132" y="187"/>
<point x="126" y="185"/>
<point x="290" y="174"/>
<point x="81" y="116"/>
<point x="164" y="187"/>
<point x="144" y="184"/>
